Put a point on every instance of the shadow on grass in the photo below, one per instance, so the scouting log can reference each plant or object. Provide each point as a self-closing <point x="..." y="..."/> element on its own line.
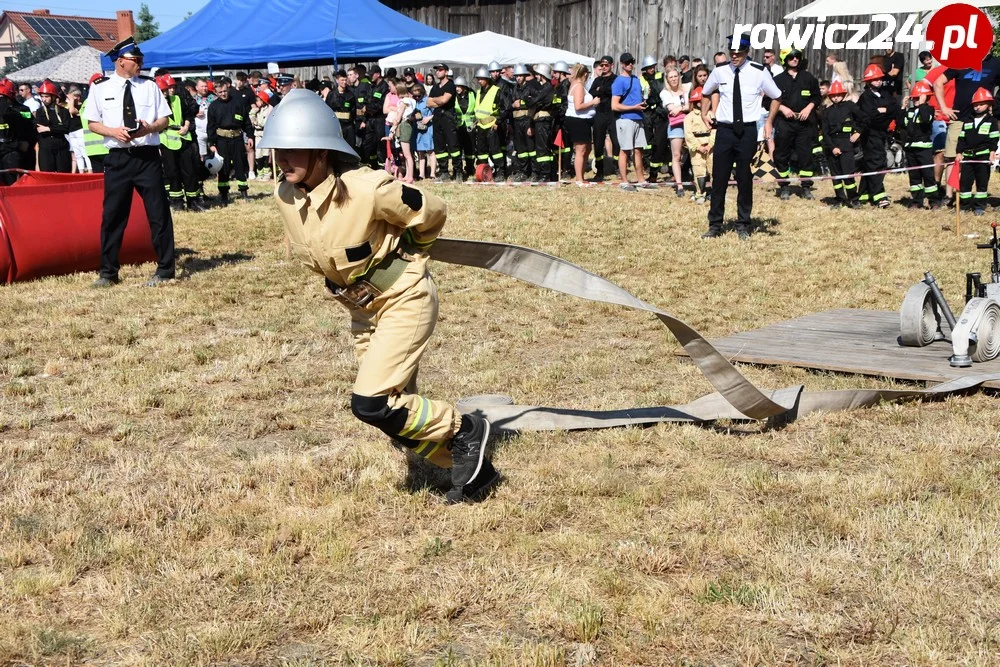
<point x="190" y="264"/>
<point x="764" y="226"/>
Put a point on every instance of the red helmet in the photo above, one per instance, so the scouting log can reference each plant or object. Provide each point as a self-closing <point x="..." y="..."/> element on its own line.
<point x="210" y="85"/>
<point x="264" y="95"/>
<point x="695" y="95"/>
<point x="165" y="81"/>
<point x="95" y="76"/>
<point x="7" y="88"/>
<point x="920" y="88"/>
<point x="47" y="88"/>
<point x="873" y="72"/>
<point x="836" y="88"/>
<point x="982" y="95"/>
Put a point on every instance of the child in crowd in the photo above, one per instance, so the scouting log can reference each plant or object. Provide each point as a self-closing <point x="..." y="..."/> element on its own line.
<point x="879" y="108"/>
<point x="978" y="142"/>
<point x="919" y="149"/>
<point x="700" y="139"/>
<point x="842" y="125"/>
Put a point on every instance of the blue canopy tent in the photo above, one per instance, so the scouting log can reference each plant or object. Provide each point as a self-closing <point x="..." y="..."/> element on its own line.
<point x="290" y="32"/>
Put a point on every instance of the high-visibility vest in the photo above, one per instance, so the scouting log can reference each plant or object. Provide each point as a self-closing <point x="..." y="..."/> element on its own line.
<point x="486" y="111"/>
<point x="467" y="116"/>
<point x="170" y="137"/>
<point x="93" y="143"/>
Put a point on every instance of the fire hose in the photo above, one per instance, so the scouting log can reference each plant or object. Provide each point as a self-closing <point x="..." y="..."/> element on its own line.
<point x="736" y="397"/>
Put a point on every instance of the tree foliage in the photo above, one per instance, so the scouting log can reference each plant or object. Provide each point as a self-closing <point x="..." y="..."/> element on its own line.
<point x="148" y="27"/>
<point x="28" y="53"/>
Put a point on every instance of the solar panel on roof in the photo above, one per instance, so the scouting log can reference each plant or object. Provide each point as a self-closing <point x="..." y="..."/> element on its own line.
<point x="62" y="34"/>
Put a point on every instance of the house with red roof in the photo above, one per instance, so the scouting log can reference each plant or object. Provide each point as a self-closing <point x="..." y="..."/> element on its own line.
<point x="60" y="32"/>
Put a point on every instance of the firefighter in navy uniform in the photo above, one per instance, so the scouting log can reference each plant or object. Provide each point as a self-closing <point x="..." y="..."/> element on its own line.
<point x="542" y="100"/>
<point x="373" y="146"/>
<point x="842" y="128"/>
<point x="465" y="107"/>
<point x="441" y="100"/>
<point x="52" y="123"/>
<point x="879" y="109"/>
<point x="283" y="84"/>
<point x="228" y="122"/>
<point x="341" y="100"/>
<point x="521" y="114"/>
<point x="15" y="132"/>
<point x="977" y="143"/>
<point x="560" y="70"/>
<point x="179" y="147"/>
<point x="362" y="90"/>
<point x="489" y="132"/>
<point x="796" y="127"/>
<point x="654" y="118"/>
<point x="130" y="111"/>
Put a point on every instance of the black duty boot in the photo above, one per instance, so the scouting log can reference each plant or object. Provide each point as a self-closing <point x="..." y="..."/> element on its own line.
<point x="224" y="198"/>
<point x="783" y="193"/>
<point x="244" y="195"/>
<point x="176" y="204"/>
<point x="468" y="450"/>
<point x="714" y="232"/>
<point x="194" y="204"/>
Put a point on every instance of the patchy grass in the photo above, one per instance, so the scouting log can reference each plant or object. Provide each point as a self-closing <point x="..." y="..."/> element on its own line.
<point x="182" y="481"/>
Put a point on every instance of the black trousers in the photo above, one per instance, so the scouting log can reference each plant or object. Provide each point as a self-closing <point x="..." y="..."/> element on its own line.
<point x="656" y="134"/>
<point x="180" y="169"/>
<point x="843" y="165"/>
<point x="490" y="146"/>
<point x="53" y="154"/>
<point x="792" y="136"/>
<point x="234" y="167"/>
<point x="138" y="169"/>
<point x="26" y="159"/>
<point x="732" y="149"/>
<point x="974" y="174"/>
<point x="922" y="181"/>
<point x="524" y="146"/>
<point x="446" y="141"/>
<point x="604" y="124"/>
<point x="872" y="188"/>
<point x="372" y="146"/>
<point x="543" y="135"/>
<point x="97" y="163"/>
<point x="9" y="159"/>
<point x="467" y="142"/>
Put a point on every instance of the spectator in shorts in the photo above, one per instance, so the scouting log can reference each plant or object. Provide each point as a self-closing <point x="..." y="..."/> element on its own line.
<point x="627" y="103"/>
<point x="939" y="128"/>
<point x="77" y="149"/>
<point x="675" y="101"/>
<point x="402" y="128"/>
<point x="579" y="123"/>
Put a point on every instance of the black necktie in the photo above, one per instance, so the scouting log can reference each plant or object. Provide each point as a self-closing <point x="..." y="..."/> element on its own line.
<point x="128" y="107"/>
<point x="737" y="103"/>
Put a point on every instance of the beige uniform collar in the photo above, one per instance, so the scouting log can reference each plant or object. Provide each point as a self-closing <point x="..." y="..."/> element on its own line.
<point x="317" y="196"/>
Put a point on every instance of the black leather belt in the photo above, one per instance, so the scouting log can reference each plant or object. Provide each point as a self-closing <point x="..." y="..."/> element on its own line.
<point x="136" y="150"/>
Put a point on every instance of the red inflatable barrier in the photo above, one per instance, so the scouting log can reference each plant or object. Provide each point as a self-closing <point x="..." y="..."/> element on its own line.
<point x="50" y="224"/>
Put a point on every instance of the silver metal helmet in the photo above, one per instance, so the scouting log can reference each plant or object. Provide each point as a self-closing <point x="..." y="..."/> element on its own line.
<point x="460" y="81"/>
<point x="560" y="66"/>
<point x="521" y="70"/>
<point x="303" y="120"/>
<point x="648" y="61"/>
<point x="544" y="70"/>
<point x="495" y="66"/>
<point x="482" y="73"/>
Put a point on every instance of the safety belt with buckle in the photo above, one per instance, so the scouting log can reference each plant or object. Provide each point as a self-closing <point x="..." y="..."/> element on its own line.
<point x="371" y="284"/>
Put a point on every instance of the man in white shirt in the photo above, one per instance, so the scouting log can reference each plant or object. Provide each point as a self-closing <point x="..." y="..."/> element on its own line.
<point x="732" y="102"/>
<point x="129" y="111"/>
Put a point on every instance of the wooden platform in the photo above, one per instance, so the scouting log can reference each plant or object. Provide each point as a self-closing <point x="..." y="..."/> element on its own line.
<point x="848" y="341"/>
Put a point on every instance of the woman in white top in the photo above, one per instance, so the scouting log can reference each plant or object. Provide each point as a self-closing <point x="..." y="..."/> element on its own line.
<point x="675" y="101"/>
<point x="578" y="124"/>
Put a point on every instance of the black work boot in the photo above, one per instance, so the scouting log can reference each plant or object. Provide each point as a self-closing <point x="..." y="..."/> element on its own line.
<point x="468" y="450"/>
<point x="245" y="195"/>
<point x="195" y="204"/>
<point x="176" y="204"/>
<point x="714" y="232"/>
<point x="224" y="198"/>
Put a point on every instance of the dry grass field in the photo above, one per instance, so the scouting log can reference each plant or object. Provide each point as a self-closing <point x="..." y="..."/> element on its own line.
<point x="182" y="482"/>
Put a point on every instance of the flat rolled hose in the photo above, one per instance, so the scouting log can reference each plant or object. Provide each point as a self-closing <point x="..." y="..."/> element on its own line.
<point x="987" y="345"/>
<point x="918" y="317"/>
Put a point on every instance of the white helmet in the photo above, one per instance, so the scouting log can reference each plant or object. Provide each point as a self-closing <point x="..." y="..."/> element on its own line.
<point x="482" y="73"/>
<point x="561" y="66"/>
<point x="544" y="70"/>
<point x="495" y="66"/>
<point x="214" y="164"/>
<point x="460" y="81"/>
<point x="521" y="70"/>
<point x="303" y="120"/>
<point x="648" y="61"/>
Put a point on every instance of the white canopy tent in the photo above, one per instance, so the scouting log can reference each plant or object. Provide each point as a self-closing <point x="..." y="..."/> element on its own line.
<point x="830" y="8"/>
<point x="481" y="49"/>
